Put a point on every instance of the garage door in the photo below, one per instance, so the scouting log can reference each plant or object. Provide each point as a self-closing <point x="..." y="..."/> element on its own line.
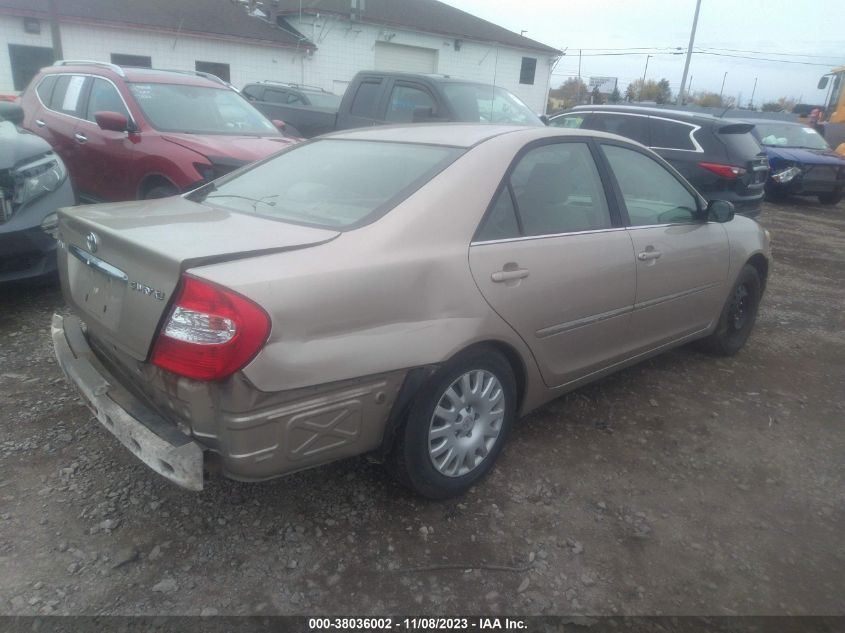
<point x="409" y="59"/>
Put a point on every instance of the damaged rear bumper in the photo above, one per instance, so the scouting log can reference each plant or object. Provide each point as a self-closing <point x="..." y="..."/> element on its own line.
<point x="153" y="440"/>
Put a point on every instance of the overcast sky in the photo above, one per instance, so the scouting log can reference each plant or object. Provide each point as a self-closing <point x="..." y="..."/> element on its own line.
<point x="798" y="31"/>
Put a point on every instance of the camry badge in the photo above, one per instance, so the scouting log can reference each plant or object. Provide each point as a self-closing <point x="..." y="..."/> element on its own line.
<point x="92" y="241"/>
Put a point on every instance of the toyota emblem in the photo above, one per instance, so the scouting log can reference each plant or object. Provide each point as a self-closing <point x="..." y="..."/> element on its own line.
<point x="92" y="241"/>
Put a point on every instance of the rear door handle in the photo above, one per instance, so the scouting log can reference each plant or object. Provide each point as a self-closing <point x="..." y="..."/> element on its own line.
<point x="80" y="137"/>
<point x="39" y="123"/>
<point x="647" y="255"/>
<point x="509" y="275"/>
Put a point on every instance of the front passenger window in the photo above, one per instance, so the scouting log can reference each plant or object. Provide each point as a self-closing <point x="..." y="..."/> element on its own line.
<point x="652" y="194"/>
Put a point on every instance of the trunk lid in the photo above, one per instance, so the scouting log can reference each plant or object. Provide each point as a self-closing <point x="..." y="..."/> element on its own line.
<point x="120" y="263"/>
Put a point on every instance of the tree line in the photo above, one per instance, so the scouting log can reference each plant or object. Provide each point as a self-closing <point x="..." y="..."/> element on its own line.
<point x="574" y="92"/>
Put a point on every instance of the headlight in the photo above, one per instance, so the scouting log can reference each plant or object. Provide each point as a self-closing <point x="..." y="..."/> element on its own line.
<point x="37" y="178"/>
<point x="786" y="175"/>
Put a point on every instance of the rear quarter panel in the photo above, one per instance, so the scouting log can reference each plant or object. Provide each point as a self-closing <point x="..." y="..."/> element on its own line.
<point x="395" y="294"/>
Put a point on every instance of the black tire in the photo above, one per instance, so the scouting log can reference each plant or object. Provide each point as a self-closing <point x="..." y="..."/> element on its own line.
<point x="738" y="316"/>
<point x="832" y="198"/>
<point x="160" y="191"/>
<point x="410" y="461"/>
<point x="775" y="195"/>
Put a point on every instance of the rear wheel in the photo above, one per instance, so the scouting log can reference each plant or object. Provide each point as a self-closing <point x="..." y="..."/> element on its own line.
<point x="457" y="425"/>
<point x="160" y="191"/>
<point x="738" y="316"/>
<point x="834" y="197"/>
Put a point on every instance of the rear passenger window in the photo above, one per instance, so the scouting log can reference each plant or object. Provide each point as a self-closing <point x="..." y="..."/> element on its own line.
<point x="671" y="135"/>
<point x="252" y="92"/>
<point x="67" y="93"/>
<point x="275" y="96"/>
<point x="630" y="126"/>
<point x="500" y="223"/>
<point x="45" y="89"/>
<point x="404" y="100"/>
<point x="570" y="121"/>
<point x="364" y="103"/>
<point x="558" y="190"/>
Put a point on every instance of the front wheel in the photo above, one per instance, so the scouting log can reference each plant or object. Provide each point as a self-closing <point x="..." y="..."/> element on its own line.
<point x="834" y="197"/>
<point x="738" y="316"/>
<point x="457" y="425"/>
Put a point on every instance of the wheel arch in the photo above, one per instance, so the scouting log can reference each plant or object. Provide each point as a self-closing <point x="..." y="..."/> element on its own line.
<point x="419" y="376"/>
<point x="154" y="180"/>
<point x="759" y="262"/>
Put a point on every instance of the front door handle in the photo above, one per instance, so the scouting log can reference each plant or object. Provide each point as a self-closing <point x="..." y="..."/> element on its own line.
<point x="509" y="275"/>
<point x="647" y="255"/>
<point x="80" y="137"/>
<point x="39" y="123"/>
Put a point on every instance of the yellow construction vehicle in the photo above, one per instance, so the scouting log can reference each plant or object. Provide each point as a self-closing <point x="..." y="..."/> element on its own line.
<point x="834" y="110"/>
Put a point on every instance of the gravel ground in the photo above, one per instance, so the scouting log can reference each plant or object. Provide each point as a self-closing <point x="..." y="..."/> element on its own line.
<point x="686" y="485"/>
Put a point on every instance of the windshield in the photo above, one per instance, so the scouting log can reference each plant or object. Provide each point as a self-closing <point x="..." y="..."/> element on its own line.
<point x="332" y="183"/>
<point x="779" y="135"/>
<point x="199" y="110"/>
<point x="324" y="100"/>
<point x="488" y="104"/>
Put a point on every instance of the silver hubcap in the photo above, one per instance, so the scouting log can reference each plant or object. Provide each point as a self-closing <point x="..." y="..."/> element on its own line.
<point x="466" y="423"/>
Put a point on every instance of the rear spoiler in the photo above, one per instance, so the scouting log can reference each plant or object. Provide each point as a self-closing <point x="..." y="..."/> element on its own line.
<point x="736" y="128"/>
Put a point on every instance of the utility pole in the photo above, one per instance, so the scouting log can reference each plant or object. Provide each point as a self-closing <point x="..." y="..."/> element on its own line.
<point x="579" y="77"/>
<point x="642" y="85"/>
<point x="54" y="30"/>
<point x="689" y="88"/>
<point x="689" y="52"/>
<point x="723" y="87"/>
<point x="753" y="90"/>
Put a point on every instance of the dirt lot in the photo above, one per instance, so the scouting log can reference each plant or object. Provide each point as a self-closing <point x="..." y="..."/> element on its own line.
<point x="687" y="485"/>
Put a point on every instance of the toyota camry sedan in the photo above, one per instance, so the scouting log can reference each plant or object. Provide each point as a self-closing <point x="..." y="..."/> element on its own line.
<point x="404" y="292"/>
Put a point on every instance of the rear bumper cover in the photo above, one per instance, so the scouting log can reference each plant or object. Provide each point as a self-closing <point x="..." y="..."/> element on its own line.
<point x="153" y="440"/>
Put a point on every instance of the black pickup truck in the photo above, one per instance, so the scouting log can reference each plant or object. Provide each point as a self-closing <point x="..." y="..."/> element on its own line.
<point x="379" y="98"/>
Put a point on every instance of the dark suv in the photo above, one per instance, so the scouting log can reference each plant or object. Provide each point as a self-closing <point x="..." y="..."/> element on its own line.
<point x="720" y="157"/>
<point x="128" y="133"/>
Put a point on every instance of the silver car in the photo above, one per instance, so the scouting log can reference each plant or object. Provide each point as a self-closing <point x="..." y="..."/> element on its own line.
<point x="404" y="292"/>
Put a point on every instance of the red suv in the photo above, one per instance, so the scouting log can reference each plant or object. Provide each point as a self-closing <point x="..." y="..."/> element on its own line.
<point x="131" y="133"/>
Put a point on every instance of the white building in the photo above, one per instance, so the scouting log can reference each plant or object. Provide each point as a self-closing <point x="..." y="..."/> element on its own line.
<point x="324" y="43"/>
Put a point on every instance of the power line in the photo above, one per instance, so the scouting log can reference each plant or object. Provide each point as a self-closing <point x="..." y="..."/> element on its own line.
<point x="763" y="59"/>
<point x="742" y="50"/>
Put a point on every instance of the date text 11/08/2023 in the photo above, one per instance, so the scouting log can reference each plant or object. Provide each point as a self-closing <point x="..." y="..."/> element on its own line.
<point x="416" y="624"/>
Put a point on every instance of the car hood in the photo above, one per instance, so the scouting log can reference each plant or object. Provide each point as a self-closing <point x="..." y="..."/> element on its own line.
<point x="225" y="148"/>
<point x="805" y="156"/>
<point x="18" y="146"/>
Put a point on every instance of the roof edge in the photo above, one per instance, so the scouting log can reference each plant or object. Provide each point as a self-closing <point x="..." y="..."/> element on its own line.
<point x="539" y="46"/>
<point x="24" y="13"/>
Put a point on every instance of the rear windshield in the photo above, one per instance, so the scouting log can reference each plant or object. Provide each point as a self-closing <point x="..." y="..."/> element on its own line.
<point x="199" y="110"/>
<point x="332" y="183"/>
<point x="323" y="100"/>
<point x="741" y="145"/>
<point x="476" y="103"/>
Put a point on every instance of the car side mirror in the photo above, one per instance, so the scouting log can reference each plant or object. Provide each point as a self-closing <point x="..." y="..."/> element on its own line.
<point x="112" y="121"/>
<point x="280" y="125"/>
<point x="544" y="119"/>
<point x="823" y="82"/>
<point x="11" y="112"/>
<point x="720" y="211"/>
<point x="424" y="115"/>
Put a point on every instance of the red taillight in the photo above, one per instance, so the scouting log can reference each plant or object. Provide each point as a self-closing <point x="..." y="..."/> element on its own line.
<point x="210" y="332"/>
<point x="724" y="171"/>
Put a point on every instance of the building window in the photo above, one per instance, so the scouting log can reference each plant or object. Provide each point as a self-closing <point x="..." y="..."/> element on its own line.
<point x="27" y="61"/>
<point x="526" y="73"/>
<point x="215" y="68"/>
<point x="138" y="61"/>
